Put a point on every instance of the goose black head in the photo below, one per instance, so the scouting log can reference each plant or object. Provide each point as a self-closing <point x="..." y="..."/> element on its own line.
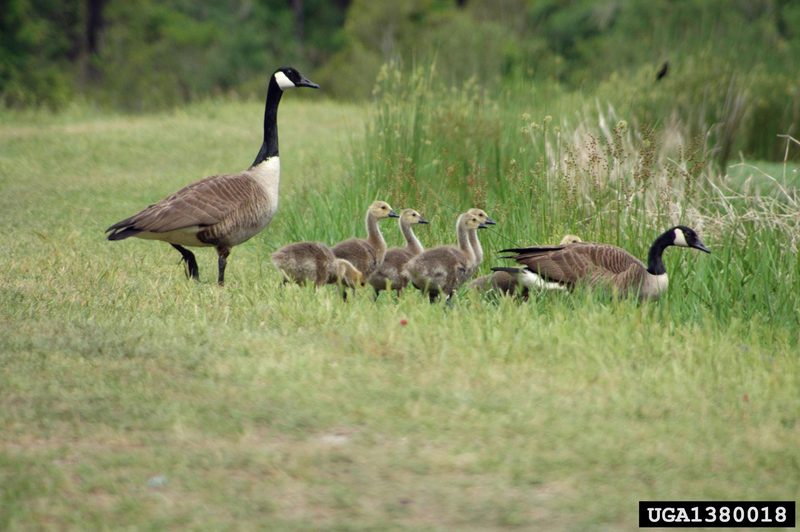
<point x="289" y="78"/>
<point x="686" y="237"/>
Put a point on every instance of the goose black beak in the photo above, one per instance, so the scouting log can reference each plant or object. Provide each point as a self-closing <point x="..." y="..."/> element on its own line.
<point x="483" y="226"/>
<point x="307" y="83"/>
<point x="393" y="214"/>
<point x="699" y="245"/>
<point x="422" y="220"/>
<point x="489" y="221"/>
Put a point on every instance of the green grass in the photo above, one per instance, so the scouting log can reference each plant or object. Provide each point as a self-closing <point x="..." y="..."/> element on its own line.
<point x="289" y="409"/>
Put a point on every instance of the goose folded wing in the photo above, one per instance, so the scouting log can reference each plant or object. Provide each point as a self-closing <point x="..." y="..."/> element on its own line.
<point x="204" y="203"/>
<point x="574" y="263"/>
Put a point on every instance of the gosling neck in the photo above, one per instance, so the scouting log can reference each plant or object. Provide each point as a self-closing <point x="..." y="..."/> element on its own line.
<point x="655" y="263"/>
<point x="412" y="242"/>
<point x="269" y="147"/>
<point x="463" y="242"/>
<point x="477" y="250"/>
<point x="375" y="237"/>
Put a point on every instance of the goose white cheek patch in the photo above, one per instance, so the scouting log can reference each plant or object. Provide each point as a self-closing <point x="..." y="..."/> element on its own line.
<point x="680" y="238"/>
<point x="283" y="81"/>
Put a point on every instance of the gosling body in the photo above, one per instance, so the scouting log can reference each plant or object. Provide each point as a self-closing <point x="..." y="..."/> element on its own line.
<point x="441" y="270"/>
<point x="366" y="254"/>
<point x="390" y="273"/>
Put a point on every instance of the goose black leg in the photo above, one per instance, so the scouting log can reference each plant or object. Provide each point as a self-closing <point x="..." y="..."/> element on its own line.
<point x="222" y="261"/>
<point x="192" y="271"/>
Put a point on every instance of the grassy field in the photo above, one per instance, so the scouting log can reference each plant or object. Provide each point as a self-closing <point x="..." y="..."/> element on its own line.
<point x="131" y="397"/>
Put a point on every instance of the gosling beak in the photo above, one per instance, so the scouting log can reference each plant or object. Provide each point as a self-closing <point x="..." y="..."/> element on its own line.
<point x="422" y="220"/>
<point x="702" y="247"/>
<point x="393" y="214"/>
<point x="489" y="221"/>
<point x="483" y="226"/>
<point x="307" y="83"/>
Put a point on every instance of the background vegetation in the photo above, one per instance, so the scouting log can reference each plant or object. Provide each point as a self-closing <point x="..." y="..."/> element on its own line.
<point x="732" y="63"/>
<point x="130" y="397"/>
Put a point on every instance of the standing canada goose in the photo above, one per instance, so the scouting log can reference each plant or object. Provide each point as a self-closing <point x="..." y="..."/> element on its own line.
<point x="303" y="262"/>
<point x="389" y="273"/>
<point x="222" y="210"/>
<point x="444" y="268"/>
<point x="604" y="264"/>
<point x="367" y="254"/>
<point x="518" y="281"/>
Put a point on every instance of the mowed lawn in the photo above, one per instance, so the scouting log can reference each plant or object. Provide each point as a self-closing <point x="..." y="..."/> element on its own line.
<point x="131" y="397"/>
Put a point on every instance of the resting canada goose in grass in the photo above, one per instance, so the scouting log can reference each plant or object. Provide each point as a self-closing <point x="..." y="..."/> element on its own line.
<point x="604" y="264"/>
<point x="223" y="210"/>
<point x="390" y="272"/>
<point x="367" y="254"/>
<point x="314" y="262"/>
<point x="518" y="281"/>
<point x="444" y="268"/>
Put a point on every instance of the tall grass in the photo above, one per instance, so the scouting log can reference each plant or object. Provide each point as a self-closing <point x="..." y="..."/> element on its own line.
<point x="579" y="167"/>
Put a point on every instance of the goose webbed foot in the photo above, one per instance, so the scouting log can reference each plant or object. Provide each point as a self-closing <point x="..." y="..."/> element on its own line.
<point x="192" y="271"/>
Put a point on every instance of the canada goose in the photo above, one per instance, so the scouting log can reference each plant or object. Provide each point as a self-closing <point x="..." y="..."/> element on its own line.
<point x="222" y="210"/>
<point x="366" y="254"/>
<point x="604" y="264"/>
<point x="389" y="273"/>
<point x="303" y="262"/>
<point x="444" y="268"/>
<point x="518" y="281"/>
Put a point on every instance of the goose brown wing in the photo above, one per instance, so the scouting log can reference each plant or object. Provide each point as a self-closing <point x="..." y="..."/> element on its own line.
<point x="203" y="203"/>
<point x="579" y="262"/>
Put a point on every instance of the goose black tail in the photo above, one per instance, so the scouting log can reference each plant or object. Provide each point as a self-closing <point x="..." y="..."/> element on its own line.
<point x="121" y="233"/>
<point x="506" y="269"/>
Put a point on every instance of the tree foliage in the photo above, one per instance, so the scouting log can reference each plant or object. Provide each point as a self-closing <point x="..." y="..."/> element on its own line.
<point x="732" y="62"/>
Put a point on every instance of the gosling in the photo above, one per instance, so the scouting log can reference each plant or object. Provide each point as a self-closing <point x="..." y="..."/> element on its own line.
<point x="389" y="274"/>
<point x="314" y="262"/>
<point x="444" y="269"/>
<point x="366" y="254"/>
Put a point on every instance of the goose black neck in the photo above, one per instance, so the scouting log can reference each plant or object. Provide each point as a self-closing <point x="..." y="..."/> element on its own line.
<point x="269" y="148"/>
<point x="655" y="264"/>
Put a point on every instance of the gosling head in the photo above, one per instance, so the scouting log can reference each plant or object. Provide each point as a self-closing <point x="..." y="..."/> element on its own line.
<point x="482" y="216"/>
<point x="411" y="217"/>
<point x="570" y="239"/>
<point x="380" y="209"/>
<point x="686" y="237"/>
<point x="289" y="78"/>
<point x="470" y="222"/>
